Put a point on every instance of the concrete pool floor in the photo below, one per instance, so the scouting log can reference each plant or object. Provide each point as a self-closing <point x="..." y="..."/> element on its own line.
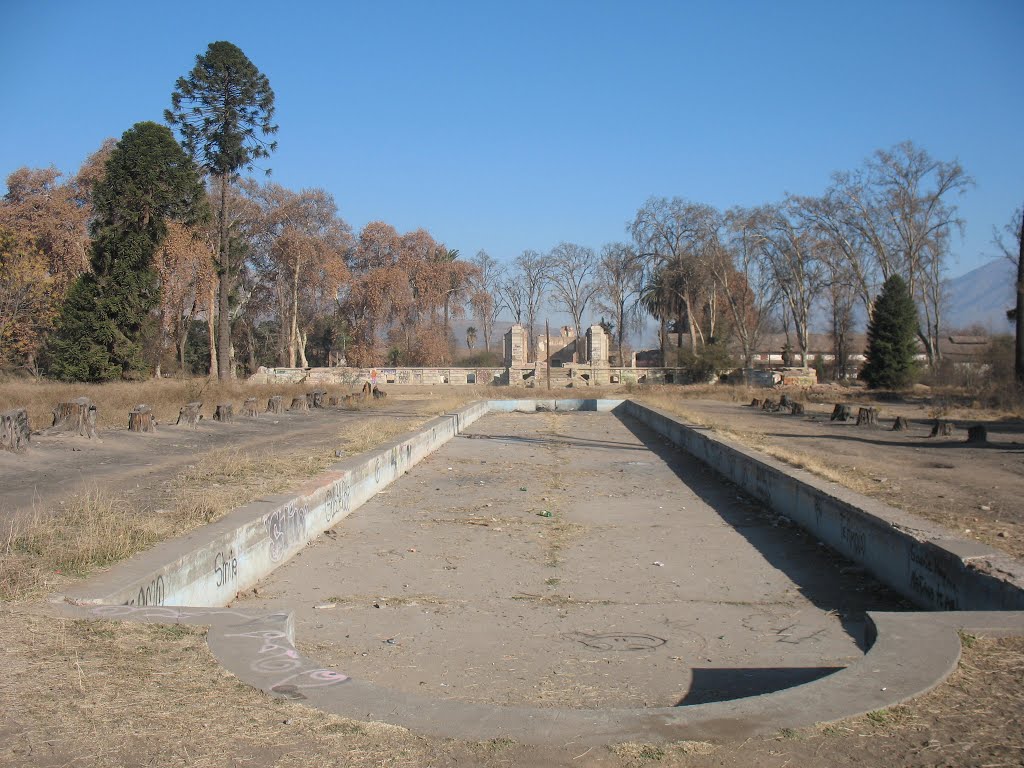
<point x="653" y="583"/>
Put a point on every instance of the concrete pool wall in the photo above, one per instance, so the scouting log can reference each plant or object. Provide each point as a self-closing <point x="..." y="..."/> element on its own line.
<point x="210" y="565"/>
<point x="922" y="561"/>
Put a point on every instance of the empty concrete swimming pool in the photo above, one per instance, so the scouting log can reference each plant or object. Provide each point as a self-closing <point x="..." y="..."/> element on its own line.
<point x="571" y="560"/>
<point x="570" y="573"/>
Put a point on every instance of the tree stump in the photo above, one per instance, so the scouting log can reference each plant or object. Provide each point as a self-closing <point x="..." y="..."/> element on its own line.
<point x="367" y="389"/>
<point x="225" y="412"/>
<point x="784" y="403"/>
<point x="14" y="430"/>
<point x="333" y="400"/>
<point x="299" y="403"/>
<point x="315" y="399"/>
<point x="941" y="429"/>
<point x="77" y="416"/>
<point x="275" y="404"/>
<point x="250" y="408"/>
<point x="768" y="405"/>
<point x="795" y="408"/>
<point x="901" y="424"/>
<point x="190" y="414"/>
<point x="379" y="394"/>
<point x="841" y="413"/>
<point x="755" y="403"/>
<point x="141" y="419"/>
<point x="977" y="434"/>
<point x="867" y="417"/>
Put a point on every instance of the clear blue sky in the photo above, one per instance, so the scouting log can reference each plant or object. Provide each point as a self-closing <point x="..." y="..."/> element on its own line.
<point x="515" y="125"/>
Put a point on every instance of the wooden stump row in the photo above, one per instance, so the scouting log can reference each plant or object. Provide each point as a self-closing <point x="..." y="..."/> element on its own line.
<point x="76" y="416"/>
<point x="841" y="412"/>
<point x="867" y="417"/>
<point x="190" y="414"/>
<point x="141" y="419"/>
<point x="14" y="430"/>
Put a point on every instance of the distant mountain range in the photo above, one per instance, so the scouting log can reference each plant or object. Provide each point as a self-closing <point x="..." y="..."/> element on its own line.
<point x="981" y="297"/>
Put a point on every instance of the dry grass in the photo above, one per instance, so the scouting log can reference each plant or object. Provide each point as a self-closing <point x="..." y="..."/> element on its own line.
<point x="166" y="396"/>
<point x="850" y="478"/>
<point x="42" y="548"/>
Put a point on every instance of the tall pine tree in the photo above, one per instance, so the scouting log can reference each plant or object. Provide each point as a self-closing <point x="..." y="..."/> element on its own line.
<point x="892" y="338"/>
<point x="148" y="179"/>
<point x="223" y="109"/>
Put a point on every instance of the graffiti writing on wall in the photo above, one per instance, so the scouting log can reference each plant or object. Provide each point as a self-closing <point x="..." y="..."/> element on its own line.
<point x="286" y="527"/>
<point x="225" y="568"/>
<point x="852" y="535"/>
<point x="150" y="594"/>
<point x="338" y="498"/>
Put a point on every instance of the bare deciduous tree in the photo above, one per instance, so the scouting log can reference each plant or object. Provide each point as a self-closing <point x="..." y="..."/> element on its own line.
<point x="749" y="288"/>
<point x="619" y="285"/>
<point x="573" y="281"/>
<point x="532" y="276"/>
<point x="485" y="297"/>
<point x="790" y="251"/>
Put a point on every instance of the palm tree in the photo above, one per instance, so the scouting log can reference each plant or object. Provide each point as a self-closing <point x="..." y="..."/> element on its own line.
<point x="661" y="299"/>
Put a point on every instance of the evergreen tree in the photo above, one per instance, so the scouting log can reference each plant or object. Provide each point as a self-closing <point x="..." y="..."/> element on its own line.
<point x="224" y="109"/>
<point x="148" y="179"/>
<point x="892" y="338"/>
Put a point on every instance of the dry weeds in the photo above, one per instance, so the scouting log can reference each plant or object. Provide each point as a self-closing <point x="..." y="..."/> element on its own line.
<point x="166" y="396"/>
<point x="41" y="549"/>
<point x="845" y="476"/>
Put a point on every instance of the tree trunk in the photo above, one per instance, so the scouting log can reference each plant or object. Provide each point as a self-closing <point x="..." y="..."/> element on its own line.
<point x="78" y="416"/>
<point x="250" y="408"/>
<point x="1018" y="356"/>
<point x="867" y="417"/>
<point x="225" y="412"/>
<point x="140" y="419"/>
<point x="302" y="338"/>
<point x="275" y="404"/>
<point x="977" y="434"/>
<point x="901" y="424"/>
<point x="299" y="403"/>
<point x="190" y="414"/>
<point x="14" y="430"/>
<point x="210" y="332"/>
<point x="224" y="274"/>
<point x="840" y="412"/>
<point x="941" y="429"/>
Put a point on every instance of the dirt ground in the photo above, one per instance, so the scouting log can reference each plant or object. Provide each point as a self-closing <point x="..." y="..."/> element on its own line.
<point x="110" y="694"/>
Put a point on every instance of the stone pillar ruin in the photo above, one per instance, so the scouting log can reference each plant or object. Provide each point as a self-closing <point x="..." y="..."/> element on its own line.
<point x="597" y="346"/>
<point x="515" y="347"/>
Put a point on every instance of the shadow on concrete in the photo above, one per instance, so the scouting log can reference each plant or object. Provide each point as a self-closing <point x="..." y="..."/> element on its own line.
<point x="564" y="440"/>
<point x="823" y="576"/>
<point x="718" y="684"/>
